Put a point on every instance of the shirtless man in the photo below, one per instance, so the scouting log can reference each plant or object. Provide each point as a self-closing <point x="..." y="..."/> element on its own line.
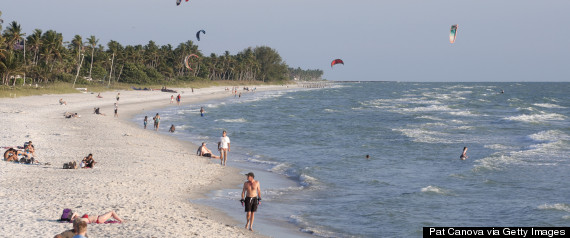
<point x="204" y="151"/>
<point x="251" y="196"/>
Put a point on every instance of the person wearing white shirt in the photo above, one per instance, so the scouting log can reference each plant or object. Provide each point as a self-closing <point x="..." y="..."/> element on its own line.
<point x="224" y="148"/>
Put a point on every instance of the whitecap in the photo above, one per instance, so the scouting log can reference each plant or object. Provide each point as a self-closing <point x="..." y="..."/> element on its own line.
<point x="557" y="206"/>
<point x="548" y="105"/>
<point x="537" y="118"/>
<point x="435" y="189"/>
<point x="239" y="120"/>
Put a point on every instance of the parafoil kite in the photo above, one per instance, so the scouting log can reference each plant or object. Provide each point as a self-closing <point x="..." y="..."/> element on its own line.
<point x="336" y="61"/>
<point x="178" y="2"/>
<point x="453" y="33"/>
<point x="187" y="60"/>
<point x="198" y="34"/>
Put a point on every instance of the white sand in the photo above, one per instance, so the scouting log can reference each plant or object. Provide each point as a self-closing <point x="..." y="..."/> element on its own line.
<point x="146" y="177"/>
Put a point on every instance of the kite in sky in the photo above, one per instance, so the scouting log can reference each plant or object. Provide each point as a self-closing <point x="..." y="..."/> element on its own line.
<point x="453" y="33"/>
<point x="198" y="34"/>
<point x="336" y="61"/>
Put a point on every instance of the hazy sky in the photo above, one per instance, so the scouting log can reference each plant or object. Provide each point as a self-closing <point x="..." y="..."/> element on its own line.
<point x="498" y="40"/>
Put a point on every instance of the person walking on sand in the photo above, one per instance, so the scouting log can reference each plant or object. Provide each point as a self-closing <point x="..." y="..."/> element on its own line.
<point x="224" y="148"/>
<point x="250" y="199"/>
<point x="464" y="154"/>
<point x="116" y="108"/>
<point x="171" y="99"/>
<point x="118" y="95"/>
<point x="156" y="121"/>
<point x="145" y="121"/>
<point x="178" y="98"/>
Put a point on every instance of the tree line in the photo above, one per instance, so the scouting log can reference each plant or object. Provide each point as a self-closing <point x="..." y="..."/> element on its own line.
<point x="44" y="57"/>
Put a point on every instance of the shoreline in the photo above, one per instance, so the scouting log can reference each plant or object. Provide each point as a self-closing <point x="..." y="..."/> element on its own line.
<point x="166" y="166"/>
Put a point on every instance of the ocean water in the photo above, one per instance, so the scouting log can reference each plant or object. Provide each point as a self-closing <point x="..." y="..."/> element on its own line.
<point x="308" y="147"/>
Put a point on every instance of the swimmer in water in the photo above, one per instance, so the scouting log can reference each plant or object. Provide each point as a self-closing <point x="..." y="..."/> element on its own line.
<point x="464" y="154"/>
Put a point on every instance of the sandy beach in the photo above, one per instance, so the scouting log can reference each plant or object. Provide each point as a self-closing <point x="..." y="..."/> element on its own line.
<point x="147" y="178"/>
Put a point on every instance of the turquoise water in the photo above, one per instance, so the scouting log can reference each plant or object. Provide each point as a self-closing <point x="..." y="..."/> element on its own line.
<point x="308" y="149"/>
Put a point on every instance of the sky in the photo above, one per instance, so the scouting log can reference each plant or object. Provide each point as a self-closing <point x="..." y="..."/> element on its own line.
<point x="397" y="40"/>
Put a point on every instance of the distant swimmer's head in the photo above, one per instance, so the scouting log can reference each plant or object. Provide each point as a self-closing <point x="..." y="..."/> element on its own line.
<point x="367" y="156"/>
<point x="250" y="174"/>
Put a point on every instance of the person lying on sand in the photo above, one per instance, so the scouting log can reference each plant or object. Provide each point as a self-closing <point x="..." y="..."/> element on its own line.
<point x="71" y="115"/>
<point x="204" y="151"/>
<point x="12" y="155"/>
<point x="97" y="219"/>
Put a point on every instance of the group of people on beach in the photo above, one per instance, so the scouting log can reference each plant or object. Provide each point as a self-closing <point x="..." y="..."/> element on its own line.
<point x="22" y="154"/>
<point x="80" y="223"/>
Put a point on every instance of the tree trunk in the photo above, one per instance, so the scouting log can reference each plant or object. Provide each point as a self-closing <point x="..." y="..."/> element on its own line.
<point x="90" y="68"/>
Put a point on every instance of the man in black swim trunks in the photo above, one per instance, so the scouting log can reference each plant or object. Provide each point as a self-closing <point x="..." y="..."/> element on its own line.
<point x="252" y="194"/>
<point x="204" y="151"/>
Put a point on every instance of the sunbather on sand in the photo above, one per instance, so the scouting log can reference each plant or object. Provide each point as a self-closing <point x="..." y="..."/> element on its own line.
<point x="61" y="102"/>
<point x="98" y="219"/>
<point x="12" y="155"/>
<point x="96" y="111"/>
<point x="204" y="151"/>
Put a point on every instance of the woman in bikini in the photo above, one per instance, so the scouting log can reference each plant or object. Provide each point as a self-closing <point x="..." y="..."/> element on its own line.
<point x="98" y="219"/>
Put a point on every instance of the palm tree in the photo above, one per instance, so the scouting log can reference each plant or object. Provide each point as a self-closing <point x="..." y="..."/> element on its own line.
<point x="77" y="44"/>
<point x="92" y="42"/>
<point x="10" y="66"/>
<point x="13" y="34"/>
<point x="35" y="42"/>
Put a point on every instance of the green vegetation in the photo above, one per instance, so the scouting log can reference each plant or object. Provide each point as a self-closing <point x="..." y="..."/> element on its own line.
<point x="42" y="62"/>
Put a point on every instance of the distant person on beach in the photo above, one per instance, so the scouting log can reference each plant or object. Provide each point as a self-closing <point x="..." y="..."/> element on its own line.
<point x="464" y="154"/>
<point x="98" y="219"/>
<point x="224" y="148"/>
<point x="71" y="233"/>
<point x="202" y="111"/>
<point x="98" y="111"/>
<point x="251" y="196"/>
<point x="12" y="155"/>
<point x="99" y="95"/>
<point x="171" y="99"/>
<point x="178" y="98"/>
<point x="145" y="122"/>
<point x="88" y="162"/>
<point x="118" y="95"/>
<point x="204" y="151"/>
<point x="61" y="102"/>
<point x="239" y="95"/>
<point x="156" y="121"/>
<point x="172" y="128"/>
<point x="116" y="109"/>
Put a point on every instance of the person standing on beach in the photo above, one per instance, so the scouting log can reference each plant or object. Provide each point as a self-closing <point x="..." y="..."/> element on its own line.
<point x="171" y="99"/>
<point x="118" y="95"/>
<point x="224" y="148"/>
<point x="178" y="98"/>
<point x="116" y="108"/>
<point x="251" y="196"/>
<point x="145" y="121"/>
<point x="156" y="121"/>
